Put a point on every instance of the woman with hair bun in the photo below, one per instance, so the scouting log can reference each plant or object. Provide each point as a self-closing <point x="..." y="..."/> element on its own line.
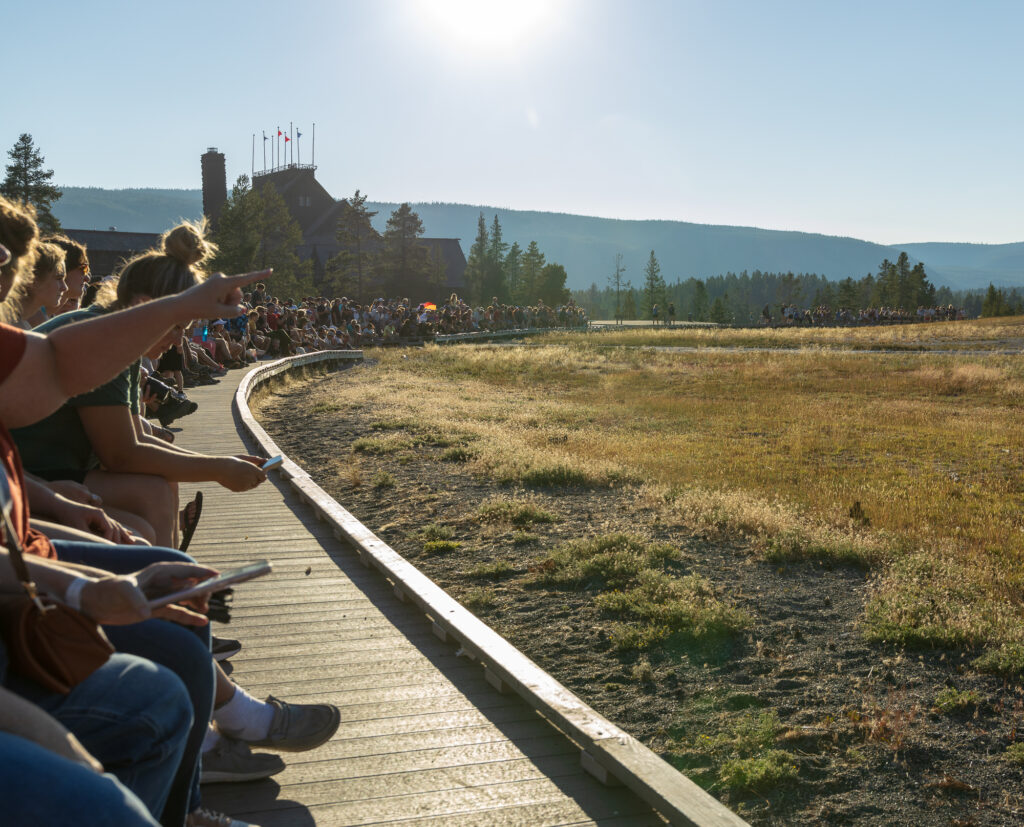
<point x="100" y="438"/>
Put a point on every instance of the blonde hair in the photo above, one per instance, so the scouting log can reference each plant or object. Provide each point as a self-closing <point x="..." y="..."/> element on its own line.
<point x="18" y="233"/>
<point x="48" y="263"/>
<point x="175" y="267"/>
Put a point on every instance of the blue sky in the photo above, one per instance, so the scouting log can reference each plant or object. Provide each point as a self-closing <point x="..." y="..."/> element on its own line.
<point x="889" y="121"/>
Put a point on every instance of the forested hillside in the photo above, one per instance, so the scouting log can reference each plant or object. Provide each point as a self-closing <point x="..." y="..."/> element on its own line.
<point x="587" y="246"/>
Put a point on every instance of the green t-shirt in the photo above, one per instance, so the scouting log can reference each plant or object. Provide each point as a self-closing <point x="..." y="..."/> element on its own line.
<point x="59" y="442"/>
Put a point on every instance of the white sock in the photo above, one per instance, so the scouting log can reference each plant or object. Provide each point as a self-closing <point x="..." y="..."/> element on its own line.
<point x="211" y="739"/>
<point x="243" y="717"/>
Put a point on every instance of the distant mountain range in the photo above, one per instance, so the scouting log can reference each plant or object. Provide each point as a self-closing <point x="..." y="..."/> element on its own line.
<point x="586" y="246"/>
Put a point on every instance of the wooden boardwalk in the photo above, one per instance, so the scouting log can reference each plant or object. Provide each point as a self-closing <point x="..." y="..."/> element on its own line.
<point x="424" y="739"/>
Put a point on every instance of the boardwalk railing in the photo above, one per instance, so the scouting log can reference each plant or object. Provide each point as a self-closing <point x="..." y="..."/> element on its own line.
<point x="607" y="752"/>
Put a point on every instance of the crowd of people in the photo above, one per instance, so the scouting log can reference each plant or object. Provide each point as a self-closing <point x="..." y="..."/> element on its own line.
<point x="274" y="326"/>
<point x="90" y="497"/>
<point x="824" y="316"/>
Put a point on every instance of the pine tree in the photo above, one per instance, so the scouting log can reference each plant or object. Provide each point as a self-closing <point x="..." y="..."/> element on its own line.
<point x="27" y="180"/>
<point x="700" y="301"/>
<point x="256" y="231"/>
<point x="476" y="264"/>
<point x="353" y="265"/>
<point x="495" y="286"/>
<point x="629" y="303"/>
<point x="615" y="280"/>
<point x="654" y="284"/>
<point x="404" y="258"/>
<point x="533" y="266"/>
<point x="552" y="288"/>
<point x="513" y="271"/>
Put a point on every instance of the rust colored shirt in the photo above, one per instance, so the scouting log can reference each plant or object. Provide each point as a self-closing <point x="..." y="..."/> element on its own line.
<point x="12" y="348"/>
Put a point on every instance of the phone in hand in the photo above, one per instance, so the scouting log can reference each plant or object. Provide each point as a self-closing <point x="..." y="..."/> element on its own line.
<point x="273" y="462"/>
<point x="212" y="584"/>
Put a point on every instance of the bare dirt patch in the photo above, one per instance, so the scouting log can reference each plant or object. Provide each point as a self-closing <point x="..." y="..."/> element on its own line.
<point x="795" y="719"/>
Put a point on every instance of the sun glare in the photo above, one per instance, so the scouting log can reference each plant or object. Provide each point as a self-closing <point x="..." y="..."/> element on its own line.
<point x="487" y="24"/>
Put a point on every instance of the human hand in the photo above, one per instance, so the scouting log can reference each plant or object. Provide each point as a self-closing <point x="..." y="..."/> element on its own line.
<point x="257" y="461"/>
<point x="120" y="600"/>
<point x="218" y="297"/>
<point x="237" y="474"/>
<point x="76" y="492"/>
<point x="90" y="519"/>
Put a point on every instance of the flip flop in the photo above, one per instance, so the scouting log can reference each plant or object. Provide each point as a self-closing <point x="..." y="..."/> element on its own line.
<point x="188" y="519"/>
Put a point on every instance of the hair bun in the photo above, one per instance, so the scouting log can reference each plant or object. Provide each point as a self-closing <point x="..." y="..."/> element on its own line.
<point x="187" y="243"/>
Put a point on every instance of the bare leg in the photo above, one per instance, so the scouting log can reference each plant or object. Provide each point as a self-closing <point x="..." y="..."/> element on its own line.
<point x="147" y="495"/>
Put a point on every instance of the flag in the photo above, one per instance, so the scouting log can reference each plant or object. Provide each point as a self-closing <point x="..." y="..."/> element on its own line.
<point x="286" y="139"/>
<point x="279" y="132"/>
<point x="264" y="136"/>
<point x="298" y="134"/>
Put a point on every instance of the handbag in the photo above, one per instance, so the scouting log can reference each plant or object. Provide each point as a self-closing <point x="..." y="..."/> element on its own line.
<point x="47" y="641"/>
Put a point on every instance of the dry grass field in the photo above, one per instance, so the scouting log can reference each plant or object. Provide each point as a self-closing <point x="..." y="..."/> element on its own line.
<point x="650" y="494"/>
<point x="978" y="334"/>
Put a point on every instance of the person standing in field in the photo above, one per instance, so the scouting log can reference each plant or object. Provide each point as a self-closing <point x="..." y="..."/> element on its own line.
<point x="671" y="314"/>
<point x="654" y="315"/>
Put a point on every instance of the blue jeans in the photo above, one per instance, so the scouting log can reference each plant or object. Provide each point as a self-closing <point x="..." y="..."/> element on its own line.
<point x="185" y="650"/>
<point x="40" y="787"/>
<point x="132" y="715"/>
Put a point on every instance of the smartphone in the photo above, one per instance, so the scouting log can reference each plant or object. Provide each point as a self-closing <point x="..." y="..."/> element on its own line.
<point x="212" y="584"/>
<point x="273" y="462"/>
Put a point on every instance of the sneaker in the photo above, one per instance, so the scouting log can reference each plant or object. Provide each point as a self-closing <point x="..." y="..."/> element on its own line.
<point x="208" y="818"/>
<point x="232" y="760"/>
<point x="298" y="727"/>
<point x="224" y="648"/>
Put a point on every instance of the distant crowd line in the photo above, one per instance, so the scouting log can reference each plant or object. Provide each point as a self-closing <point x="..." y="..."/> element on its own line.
<point x="276" y="327"/>
<point x="790" y="315"/>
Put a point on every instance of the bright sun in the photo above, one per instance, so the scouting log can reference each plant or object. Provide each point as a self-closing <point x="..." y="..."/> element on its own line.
<point x="487" y="24"/>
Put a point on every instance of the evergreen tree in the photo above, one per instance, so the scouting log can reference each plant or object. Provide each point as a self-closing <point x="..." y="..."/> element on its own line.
<point x="476" y="264"/>
<point x="654" y="284"/>
<point x="848" y="295"/>
<point x="532" y="279"/>
<point x="353" y="265"/>
<point x="920" y="290"/>
<point x="699" y="304"/>
<point x="719" y="311"/>
<point x="405" y="265"/>
<point x="552" y="288"/>
<point x="256" y="231"/>
<point x="494" y="285"/>
<point x="629" y="303"/>
<point x="236" y="236"/>
<point x="906" y="295"/>
<point x="513" y="272"/>
<point x="615" y="280"/>
<point x="29" y="181"/>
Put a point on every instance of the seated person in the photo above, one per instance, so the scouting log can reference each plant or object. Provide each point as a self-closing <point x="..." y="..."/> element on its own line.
<point x="76" y="273"/>
<point x="38" y="291"/>
<point x="98" y="438"/>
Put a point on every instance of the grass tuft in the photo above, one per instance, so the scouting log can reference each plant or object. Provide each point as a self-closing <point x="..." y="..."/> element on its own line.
<point x="518" y="512"/>
<point x="953" y="700"/>
<point x="433" y="547"/>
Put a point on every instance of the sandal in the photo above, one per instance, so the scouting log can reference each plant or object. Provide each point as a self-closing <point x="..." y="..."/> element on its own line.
<point x="188" y="519"/>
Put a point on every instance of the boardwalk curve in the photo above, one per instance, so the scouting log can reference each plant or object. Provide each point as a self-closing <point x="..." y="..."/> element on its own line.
<point x="443" y="721"/>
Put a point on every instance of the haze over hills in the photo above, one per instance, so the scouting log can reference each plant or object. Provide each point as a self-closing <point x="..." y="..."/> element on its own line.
<point x="586" y="246"/>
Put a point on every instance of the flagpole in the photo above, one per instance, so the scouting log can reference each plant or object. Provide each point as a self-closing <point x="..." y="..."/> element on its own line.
<point x="298" y="146"/>
<point x="252" y="171"/>
<point x="314" y="143"/>
<point x="278" y="147"/>
<point x="264" y="150"/>
<point x="291" y="156"/>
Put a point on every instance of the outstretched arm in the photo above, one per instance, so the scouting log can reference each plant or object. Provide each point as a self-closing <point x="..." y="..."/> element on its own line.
<point x="53" y="368"/>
